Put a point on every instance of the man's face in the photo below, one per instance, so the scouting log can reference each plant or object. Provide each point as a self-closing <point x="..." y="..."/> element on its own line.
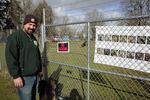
<point x="29" y="28"/>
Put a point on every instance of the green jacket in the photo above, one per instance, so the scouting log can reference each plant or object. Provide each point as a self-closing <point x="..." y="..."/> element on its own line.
<point x="22" y="55"/>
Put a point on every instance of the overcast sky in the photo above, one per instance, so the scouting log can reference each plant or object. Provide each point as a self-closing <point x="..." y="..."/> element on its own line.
<point x="78" y="8"/>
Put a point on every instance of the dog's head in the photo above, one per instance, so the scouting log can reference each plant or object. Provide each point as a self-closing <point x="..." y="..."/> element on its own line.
<point x="46" y="89"/>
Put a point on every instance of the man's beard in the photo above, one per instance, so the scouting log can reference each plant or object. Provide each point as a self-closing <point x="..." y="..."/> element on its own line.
<point x="30" y="31"/>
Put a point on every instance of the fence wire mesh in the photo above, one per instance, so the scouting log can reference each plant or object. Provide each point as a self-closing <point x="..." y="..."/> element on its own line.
<point x="116" y="54"/>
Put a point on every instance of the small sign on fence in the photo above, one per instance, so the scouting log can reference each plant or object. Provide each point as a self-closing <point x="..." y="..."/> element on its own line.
<point x="63" y="47"/>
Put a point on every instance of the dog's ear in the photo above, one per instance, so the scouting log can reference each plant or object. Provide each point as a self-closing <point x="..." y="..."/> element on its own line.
<point x="53" y="84"/>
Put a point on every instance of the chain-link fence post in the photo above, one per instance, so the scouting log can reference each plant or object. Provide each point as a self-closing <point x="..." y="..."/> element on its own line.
<point x="88" y="28"/>
<point x="44" y="48"/>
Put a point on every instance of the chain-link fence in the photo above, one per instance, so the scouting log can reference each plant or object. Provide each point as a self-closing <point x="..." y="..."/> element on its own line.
<point x="105" y="60"/>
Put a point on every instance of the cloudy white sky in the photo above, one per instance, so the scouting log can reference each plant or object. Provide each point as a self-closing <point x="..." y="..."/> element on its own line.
<point x="77" y="9"/>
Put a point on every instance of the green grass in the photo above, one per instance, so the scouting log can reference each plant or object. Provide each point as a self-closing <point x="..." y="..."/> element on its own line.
<point x="104" y="86"/>
<point x="7" y="89"/>
<point x="72" y="81"/>
<point x="2" y="55"/>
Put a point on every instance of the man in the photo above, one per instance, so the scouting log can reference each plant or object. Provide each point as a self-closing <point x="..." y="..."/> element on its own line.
<point x="23" y="59"/>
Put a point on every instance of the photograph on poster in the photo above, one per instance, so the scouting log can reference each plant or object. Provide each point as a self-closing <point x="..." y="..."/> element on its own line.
<point x="148" y="40"/>
<point x="130" y="55"/>
<point x="114" y="52"/>
<point x="115" y="38"/>
<point x="123" y="38"/>
<point x="107" y="37"/>
<point x="122" y="53"/>
<point x="147" y="57"/>
<point x="100" y="37"/>
<point x="106" y="51"/>
<point x="139" y="56"/>
<point x="141" y="39"/>
<point x="131" y="39"/>
<point x="100" y="51"/>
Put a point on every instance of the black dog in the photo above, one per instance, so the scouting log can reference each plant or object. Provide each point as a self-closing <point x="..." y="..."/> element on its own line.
<point x="46" y="89"/>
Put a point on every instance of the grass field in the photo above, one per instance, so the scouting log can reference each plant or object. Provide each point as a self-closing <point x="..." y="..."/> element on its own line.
<point x="102" y="86"/>
<point x="7" y="91"/>
<point x="72" y="82"/>
<point x="2" y="57"/>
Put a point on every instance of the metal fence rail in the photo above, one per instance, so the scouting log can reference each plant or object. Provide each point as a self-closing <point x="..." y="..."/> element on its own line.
<point x="78" y="77"/>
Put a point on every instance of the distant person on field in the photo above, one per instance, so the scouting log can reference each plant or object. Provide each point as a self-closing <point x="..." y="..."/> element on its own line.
<point x="23" y="59"/>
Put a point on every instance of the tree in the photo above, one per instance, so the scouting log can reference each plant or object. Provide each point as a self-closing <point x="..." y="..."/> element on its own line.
<point x="4" y="6"/>
<point x="94" y="15"/>
<point x="39" y="12"/>
<point x="63" y="30"/>
<point x="28" y="6"/>
<point x="16" y="12"/>
<point x="49" y="16"/>
<point x="137" y="8"/>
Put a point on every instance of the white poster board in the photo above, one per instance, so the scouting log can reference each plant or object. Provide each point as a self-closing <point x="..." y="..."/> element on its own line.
<point x="123" y="46"/>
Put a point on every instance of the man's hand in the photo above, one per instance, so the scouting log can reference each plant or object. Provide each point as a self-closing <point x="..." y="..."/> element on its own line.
<point x="18" y="82"/>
